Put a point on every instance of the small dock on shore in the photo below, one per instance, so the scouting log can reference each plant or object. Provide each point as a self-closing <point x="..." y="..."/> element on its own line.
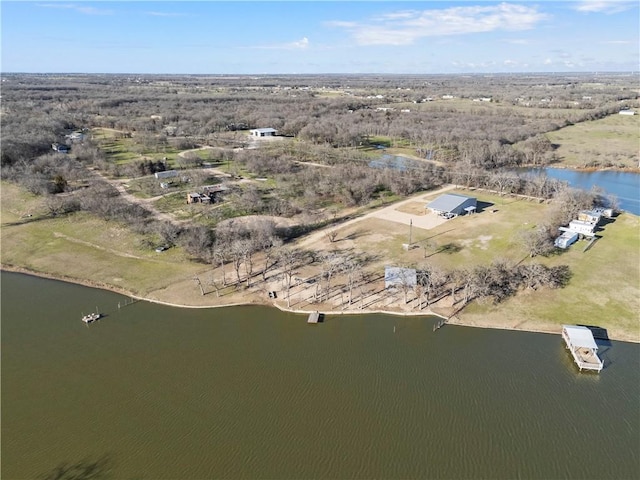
<point x="582" y="346"/>
<point x="439" y="324"/>
<point x="314" y="317"/>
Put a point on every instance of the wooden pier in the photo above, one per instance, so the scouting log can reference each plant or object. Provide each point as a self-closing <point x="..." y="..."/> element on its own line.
<point x="439" y="323"/>
<point x="314" y="317"/>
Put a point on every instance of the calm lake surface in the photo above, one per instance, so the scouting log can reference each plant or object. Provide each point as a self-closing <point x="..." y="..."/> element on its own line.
<point x="624" y="185"/>
<point x="157" y="392"/>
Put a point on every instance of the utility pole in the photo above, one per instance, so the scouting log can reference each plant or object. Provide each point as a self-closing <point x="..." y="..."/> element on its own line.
<point x="410" y="228"/>
<point x="199" y="284"/>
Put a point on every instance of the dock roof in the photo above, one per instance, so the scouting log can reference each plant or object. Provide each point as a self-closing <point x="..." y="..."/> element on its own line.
<point x="580" y="336"/>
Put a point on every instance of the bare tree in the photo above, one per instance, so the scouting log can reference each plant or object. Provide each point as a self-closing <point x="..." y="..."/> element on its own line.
<point x="406" y="281"/>
<point x="219" y="254"/>
<point x="331" y="235"/>
<point x="237" y="253"/>
<point x="536" y="241"/>
<point x="330" y="264"/>
<point x="289" y="260"/>
<point x="352" y="266"/>
<point x="432" y="278"/>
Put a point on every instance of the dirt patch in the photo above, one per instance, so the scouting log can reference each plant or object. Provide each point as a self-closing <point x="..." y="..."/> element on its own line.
<point x="413" y="208"/>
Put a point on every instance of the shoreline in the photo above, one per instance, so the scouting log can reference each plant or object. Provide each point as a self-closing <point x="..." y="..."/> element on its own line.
<point x="587" y="169"/>
<point x="452" y="320"/>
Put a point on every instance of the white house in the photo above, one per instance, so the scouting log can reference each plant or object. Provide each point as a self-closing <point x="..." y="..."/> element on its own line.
<point x="263" y="132"/>
<point x="581" y="227"/>
<point x="590" y="216"/>
<point x="627" y="112"/>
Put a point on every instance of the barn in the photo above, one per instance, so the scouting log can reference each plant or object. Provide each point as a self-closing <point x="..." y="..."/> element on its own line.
<point x="452" y="204"/>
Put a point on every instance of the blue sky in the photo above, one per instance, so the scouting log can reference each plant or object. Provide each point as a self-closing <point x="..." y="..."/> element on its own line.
<point x="242" y="37"/>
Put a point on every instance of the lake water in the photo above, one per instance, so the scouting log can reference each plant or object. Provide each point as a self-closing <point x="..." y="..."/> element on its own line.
<point x="624" y="185"/>
<point x="157" y="392"/>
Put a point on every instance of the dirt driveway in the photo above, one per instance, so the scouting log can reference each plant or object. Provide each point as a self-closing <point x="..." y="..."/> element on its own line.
<point x="391" y="213"/>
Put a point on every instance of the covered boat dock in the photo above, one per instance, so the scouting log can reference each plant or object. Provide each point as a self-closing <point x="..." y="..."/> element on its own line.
<point x="583" y="347"/>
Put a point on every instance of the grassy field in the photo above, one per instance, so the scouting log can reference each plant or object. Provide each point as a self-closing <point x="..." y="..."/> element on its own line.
<point x="84" y="248"/>
<point x="613" y="141"/>
<point x="604" y="289"/>
<point x="121" y="149"/>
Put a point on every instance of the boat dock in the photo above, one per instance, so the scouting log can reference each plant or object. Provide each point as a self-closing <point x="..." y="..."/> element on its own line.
<point x="582" y="346"/>
<point x="314" y="317"/>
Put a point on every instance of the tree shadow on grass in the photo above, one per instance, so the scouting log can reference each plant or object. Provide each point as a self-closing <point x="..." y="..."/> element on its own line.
<point x="449" y="248"/>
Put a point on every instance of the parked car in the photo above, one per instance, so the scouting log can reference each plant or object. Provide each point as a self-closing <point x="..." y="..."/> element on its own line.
<point x="448" y="215"/>
<point x="162" y="248"/>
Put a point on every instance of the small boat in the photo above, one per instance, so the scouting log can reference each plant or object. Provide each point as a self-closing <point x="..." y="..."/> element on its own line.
<point x="91" y="317"/>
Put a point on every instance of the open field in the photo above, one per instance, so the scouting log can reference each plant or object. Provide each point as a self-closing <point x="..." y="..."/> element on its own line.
<point x="613" y="141"/>
<point x="612" y="303"/>
<point x="84" y="249"/>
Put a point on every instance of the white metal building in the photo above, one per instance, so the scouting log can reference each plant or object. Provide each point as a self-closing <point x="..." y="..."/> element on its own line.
<point x="452" y="203"/>
<point x="166" y="174"/>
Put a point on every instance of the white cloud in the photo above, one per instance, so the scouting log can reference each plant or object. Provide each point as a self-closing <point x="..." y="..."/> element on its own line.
<point x="87" y="10"/>
<point x="617" y="42"/>
<point x="407" y="26"/>
<point x="604" y="6"/>
<point x="304" y="43"/>
<point x="301" y="44"/>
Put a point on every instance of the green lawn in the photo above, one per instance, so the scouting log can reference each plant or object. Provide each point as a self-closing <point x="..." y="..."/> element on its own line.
<point x="604" y="288"/>
<point x="613" y="141"/>
<point x="83" y="247"/>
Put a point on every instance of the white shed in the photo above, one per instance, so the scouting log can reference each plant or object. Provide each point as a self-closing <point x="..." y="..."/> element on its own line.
<point x="263" y="132"/>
